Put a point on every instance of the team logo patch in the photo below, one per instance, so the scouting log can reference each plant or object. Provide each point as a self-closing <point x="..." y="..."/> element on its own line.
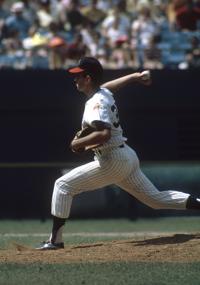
<point x="96" y="106"/>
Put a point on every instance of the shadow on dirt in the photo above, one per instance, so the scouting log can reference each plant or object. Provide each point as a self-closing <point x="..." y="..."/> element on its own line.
<point x="177" y="238"/>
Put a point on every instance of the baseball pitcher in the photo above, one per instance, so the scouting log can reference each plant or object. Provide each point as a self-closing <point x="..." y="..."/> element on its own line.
<point x="115" y="162"/>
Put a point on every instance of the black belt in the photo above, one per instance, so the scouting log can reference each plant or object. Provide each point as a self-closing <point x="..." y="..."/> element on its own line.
<point x="99" y="151"/>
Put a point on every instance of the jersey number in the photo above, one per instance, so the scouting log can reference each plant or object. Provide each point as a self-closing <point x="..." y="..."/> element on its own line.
<point x="116" y="123"/>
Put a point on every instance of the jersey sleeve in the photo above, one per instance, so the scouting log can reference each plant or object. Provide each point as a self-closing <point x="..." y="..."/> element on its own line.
<point x="99" y="112"/>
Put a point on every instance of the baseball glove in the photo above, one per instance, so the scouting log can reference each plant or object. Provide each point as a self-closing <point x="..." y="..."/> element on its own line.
<point x="83" y="133"/>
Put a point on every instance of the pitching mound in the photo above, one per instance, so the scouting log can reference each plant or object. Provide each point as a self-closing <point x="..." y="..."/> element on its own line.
<point x="171" y="248"/>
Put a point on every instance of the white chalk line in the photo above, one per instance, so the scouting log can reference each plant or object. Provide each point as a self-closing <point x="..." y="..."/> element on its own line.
<point x="94" y="234"/>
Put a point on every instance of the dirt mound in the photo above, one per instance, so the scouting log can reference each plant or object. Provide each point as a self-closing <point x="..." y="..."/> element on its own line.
<point x="171" y="248"/>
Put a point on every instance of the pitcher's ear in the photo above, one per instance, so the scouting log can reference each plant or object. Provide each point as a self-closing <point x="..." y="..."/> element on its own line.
<point x="88" y="77"/>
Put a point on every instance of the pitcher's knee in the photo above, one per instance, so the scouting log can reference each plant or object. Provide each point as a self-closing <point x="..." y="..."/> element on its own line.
<point x="61" y="185"/>
<point x="61" y="200"/>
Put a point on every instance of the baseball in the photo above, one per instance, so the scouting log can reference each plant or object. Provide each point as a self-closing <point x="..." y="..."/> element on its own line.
<point x="146" y="75"/>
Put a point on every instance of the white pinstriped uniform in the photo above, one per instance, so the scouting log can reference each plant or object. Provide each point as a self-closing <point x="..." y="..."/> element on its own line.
<point x="112" y="165"/>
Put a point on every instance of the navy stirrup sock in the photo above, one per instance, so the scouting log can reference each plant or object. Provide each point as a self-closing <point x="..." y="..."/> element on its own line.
<point x="193" y="203"/>
<point x="57" y="224"/>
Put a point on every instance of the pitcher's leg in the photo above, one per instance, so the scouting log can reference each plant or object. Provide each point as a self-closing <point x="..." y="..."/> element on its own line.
<point x="61" y="199"/>
<point x="69" y="185"/>
<point x="81" y="179"/>
<point x="90" y="176"/>
<point x="64" y="189"/>
<point x="87" y="177"/>
<point x="138" y="185"/>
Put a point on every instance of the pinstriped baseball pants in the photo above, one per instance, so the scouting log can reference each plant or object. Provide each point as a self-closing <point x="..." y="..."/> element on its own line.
<point x="119" y="166"/>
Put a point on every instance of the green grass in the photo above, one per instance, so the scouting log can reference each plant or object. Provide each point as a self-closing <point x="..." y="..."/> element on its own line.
<point x="115" y="273"/>
<point x="97" y="274"/>
<point x="107" y="225"/>
<point x="172" y="224"/>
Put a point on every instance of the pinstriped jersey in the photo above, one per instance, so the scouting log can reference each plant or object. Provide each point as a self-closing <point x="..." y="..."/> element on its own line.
<point x="101" y="107"/>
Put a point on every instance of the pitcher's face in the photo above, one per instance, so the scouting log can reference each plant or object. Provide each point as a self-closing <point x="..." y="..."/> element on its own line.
<point x="83" y="82"/>
<point x="80" y="81"/>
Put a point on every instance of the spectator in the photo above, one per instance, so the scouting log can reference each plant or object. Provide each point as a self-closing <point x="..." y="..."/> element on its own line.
<point x="187" y="16"/>
<point x="121" y="33"/>
<point x="93" y="13"/>
<point x="38" y="58"/>
<point x="171" y="16"/>
<point x="193" y="56"/>
<point x="123" y="22"/>
<point x="17" y="23"/>
<point x="121" y="57"/>
<point x="58" y="8"/>
<point x="131" y="5"/>
<point x="57" y="52"/>
<point x="153" y="54"/>
<point x="35" y="39"/>
<point x="92" y="39"/>
<point x="123" y="8"/>
<point x="4" y="13"/>
<point x="77" y="48"/>
<point x="106" y="5"/>
<point x="143" y="29"/>
<point x="73" y="16"/>
<point x="142" y="3"/>
<point x="116" y="33"/>
<point x="159" y="11"/>
<point x="30" y="11"/>
<point x="44" y="14"/>
<point x="13" y="56"/>
<point x="118" y="40"/>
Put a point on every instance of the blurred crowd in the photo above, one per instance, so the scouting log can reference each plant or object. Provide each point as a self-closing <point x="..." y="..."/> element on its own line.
<point x="54" y="34"/>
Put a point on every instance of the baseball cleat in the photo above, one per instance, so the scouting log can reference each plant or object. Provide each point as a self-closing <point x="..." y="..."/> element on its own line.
<point x="47" y="245"/>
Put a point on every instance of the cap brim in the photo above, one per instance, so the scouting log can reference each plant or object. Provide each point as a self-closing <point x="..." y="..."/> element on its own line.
<point x="75" y="70"/>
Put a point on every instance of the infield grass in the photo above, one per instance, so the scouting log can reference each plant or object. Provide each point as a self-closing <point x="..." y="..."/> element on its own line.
<point x="101" y="274"/>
